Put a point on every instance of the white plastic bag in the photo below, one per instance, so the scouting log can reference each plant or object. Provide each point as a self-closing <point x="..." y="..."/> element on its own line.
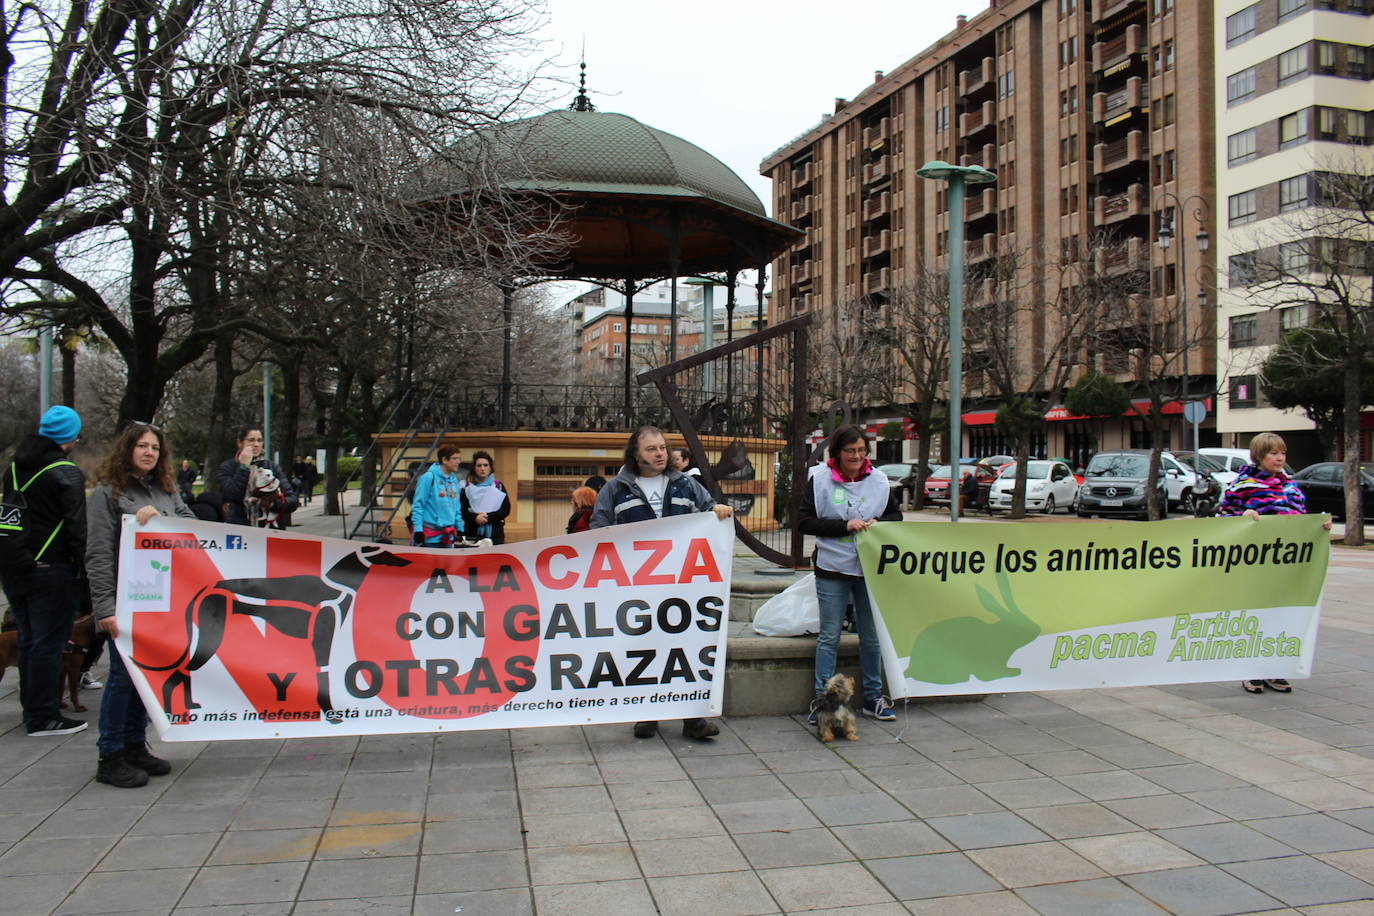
<point x="791" y="612"/>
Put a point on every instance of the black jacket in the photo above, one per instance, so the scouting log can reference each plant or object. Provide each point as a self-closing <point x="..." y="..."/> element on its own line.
<point x="233" y="486"/>
<point x="59" y="495"/>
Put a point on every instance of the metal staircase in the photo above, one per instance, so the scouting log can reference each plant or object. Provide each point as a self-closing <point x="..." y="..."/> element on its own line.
<point x="380" y="507"/>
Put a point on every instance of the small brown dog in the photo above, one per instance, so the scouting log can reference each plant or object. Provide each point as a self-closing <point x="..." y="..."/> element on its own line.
<point x="69" y="670"/>
<point x="833" y="715"/>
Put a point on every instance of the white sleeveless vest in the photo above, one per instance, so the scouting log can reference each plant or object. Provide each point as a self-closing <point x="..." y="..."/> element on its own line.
<point x="865" y="498"/>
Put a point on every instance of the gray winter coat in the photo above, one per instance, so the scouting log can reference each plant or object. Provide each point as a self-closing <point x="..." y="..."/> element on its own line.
<point x="102" y="533"/>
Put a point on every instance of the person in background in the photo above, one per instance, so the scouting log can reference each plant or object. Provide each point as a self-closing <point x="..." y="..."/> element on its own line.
<point x="583" y="498"/>
<point x="186" y="480"/>
<point x="843" y="498"/>
<point x="485" y="501"/>
<point x="1262" y="488"/>
<point x="646" y="489"/>
<point x="44" y="580"/>
<point x="682" y="462"/>
<point x="135" y="479"/>
<point x="233" y="477"/>
<point x="309" y="477"/>
<point x="435" y="507"/>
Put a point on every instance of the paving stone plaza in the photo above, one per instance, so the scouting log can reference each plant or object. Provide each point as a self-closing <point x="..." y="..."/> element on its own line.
<point x="1197" y="799"/>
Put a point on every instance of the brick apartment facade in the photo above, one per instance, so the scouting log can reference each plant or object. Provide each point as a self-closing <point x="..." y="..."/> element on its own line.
<point x="1088" y="110"/>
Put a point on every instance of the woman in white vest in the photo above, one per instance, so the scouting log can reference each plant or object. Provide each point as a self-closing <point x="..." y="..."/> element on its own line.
<point x="484" y="502"/>
<point x="843" y="497"/>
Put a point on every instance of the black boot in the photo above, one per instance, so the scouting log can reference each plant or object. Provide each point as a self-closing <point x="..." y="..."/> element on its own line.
<point x="646" y="729"/>
<point x="114" y="770"/>
<point x="699" y="728"/>
<point x="139" y="756"/>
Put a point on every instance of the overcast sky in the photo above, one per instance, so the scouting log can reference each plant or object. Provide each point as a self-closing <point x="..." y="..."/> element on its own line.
<point x="739" y="78"/>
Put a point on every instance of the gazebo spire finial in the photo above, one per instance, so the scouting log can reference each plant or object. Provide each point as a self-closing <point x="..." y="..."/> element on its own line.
<point x="581" y="102"/>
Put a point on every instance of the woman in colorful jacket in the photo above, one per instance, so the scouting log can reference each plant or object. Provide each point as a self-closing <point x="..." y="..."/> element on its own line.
<point x="435" y="509"/>
<point x="1262" y="488"/>
<point x="843" y="497"/>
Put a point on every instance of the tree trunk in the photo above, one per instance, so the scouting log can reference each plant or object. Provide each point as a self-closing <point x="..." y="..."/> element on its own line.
<point x="369" y="421"/>
<point x="925" y="415"/>
<point x="1152" y="481"/>
<point x="68" y="376"/>
<point x="333" y="435"/>
<point x="291" y="407"/>
<point x="218" y="432"/>
<point x="1354" y="495"/>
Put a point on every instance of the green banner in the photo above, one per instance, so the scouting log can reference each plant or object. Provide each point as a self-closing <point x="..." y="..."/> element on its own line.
<point x="976" y="607"/>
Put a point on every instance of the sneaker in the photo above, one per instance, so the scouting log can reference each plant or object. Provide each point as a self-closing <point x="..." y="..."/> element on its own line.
<point x="89" y="681"/>
<point x="813" y="716"/>
<point x="59" y="726"/>
<point x="115" y="770"/>
<point x="879" y="708"/>
<point x="140" y="756"/>
<point x="1279" y="684"/>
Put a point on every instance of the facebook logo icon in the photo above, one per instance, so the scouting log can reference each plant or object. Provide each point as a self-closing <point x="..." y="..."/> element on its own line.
<point x="234" y="542"/>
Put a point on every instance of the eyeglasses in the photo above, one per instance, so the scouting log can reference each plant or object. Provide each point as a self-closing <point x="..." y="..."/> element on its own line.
<point x="128" y="424"/>
<point x="853" y="451"/>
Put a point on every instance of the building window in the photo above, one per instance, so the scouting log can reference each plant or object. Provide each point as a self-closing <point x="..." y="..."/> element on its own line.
<point x="1240" y="86"/>
<point x="941" y="119"/>
<point x="1293" y="193"/>
<point x="1242" y="269"/>
<point x="1240" y="27"/>
<point x="1292" y="65"/>
<point x="1243" y="393"/>
<point x="1244" y="329"/>
<point x="1006" y="84"/>
<point x="1290" y="8"/>
<point x="1161" y="7"/>
<point x="1326" y="58"/>
<point x="1293" y="129"/>
<point x="1241" y="147"/>
<point x="1293" y="258"/>
<point x="617" y="327"/>
<point x="1241" y="208"/>
<point x="1292" y="318"/>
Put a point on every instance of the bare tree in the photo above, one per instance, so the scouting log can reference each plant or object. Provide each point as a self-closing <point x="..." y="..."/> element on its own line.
<point x="1320" y="258"/>
<point x="919" y="310"/>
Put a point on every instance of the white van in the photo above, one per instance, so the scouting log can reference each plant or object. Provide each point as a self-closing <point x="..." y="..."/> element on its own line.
<point x="1233" y="459"/>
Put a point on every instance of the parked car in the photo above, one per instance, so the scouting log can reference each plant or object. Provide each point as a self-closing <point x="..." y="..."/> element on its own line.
<point x="1050" y="484"/>
<point x="1114" y="484"/>
<point x="1233" y="459"/>
<point x="937" y="484"/>
<point x="1323" y="484"/>
<point x="1209" y="465"/>
<point x="1180" y="481"/>
<point x="902" y="479"/>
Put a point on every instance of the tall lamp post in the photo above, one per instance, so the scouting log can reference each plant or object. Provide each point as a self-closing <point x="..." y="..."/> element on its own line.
<point x="957" y="176"/>
<point x="1192" y="414"/>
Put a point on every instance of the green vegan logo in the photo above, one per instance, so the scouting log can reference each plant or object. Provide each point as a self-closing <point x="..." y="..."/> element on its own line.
<point x="151" y="589"/>
<point x="959" y="648"/>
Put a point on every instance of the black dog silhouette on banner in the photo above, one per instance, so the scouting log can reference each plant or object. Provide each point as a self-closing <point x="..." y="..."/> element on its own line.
<point x="302" y="607"/>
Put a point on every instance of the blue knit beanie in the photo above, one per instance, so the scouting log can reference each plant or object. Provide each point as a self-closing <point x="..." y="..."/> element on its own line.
<point x="60" y="424"/>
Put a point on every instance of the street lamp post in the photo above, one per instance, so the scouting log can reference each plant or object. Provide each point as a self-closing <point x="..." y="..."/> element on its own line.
<point x="1165" y="237"/>
<point x="958" y="177"/>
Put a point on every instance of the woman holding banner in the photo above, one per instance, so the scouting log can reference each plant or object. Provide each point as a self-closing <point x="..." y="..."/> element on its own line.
<point x="1262" y="488"/>
<point x="135" y="479"/>
<point x="646" y="489"/>
<point x="485" y="501"/>
<point x="843" y="497"/>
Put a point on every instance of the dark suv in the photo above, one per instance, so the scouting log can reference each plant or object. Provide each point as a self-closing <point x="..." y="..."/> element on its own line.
<point x="1114" y="484"/>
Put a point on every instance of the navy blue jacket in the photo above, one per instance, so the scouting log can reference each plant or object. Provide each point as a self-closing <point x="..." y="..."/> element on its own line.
<point x="622" y="501"/>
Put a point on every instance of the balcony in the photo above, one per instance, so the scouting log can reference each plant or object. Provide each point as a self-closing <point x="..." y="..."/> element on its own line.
<point x="802" y="175"/>
<point x="1107" y="55"/>
<point x="878" y="280"/>
<point x="1123" y="258"/>
<point x="801" y="273"/>
<point x="975" y="79"/>
<point x="980" y="204"/>
<point x="1108" y="157"/>
<point x="1108" y="9"/>
<point x="801" y="208"/>
<point x="878" y="205"/>
<point x="1108" y="106"/>
<point x="813" y="237"/>
<point x="985" y="157"/>
<point x="981" y="249"/>
<point x="876" y="135"/>
<point x="875" y="170"/>
<point x="1129" y="203"/>
<point x="877" y="244"/>
<point x="972" y="123"/>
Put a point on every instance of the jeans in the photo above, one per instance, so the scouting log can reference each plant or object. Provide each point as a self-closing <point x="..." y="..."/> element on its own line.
<point x="44" y="601"/>
<point x="123" y="719"/>
<point x="833" y="595"/>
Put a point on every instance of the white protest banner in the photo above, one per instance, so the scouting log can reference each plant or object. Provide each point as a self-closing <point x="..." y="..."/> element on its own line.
<point x="974" y="608"/>
<point x="234" y="632"/>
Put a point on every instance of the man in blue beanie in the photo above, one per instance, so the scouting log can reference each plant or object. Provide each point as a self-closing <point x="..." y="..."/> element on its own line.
<point x="43" y="577"/>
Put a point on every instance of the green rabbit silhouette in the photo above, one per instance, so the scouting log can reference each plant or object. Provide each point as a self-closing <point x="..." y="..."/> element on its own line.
<point x="954" y="650"/>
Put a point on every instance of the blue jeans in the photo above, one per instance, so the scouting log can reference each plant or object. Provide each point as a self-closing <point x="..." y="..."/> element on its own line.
<point x="44" y="601"/>
<point x="833" y="595"/>
<point x="123" y="720"/>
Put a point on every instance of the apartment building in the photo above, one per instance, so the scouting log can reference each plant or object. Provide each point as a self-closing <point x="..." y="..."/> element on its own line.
<point x="1089" y="111"/>
<point x="1294" y="100"/>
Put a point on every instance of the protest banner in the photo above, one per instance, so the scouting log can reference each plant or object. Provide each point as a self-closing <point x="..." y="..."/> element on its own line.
<point x="236" y="632"/>
<point x="980" y="608"/>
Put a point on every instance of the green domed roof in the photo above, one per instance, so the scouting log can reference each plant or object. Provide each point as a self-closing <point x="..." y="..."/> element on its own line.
<point x="608" y="153"/>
